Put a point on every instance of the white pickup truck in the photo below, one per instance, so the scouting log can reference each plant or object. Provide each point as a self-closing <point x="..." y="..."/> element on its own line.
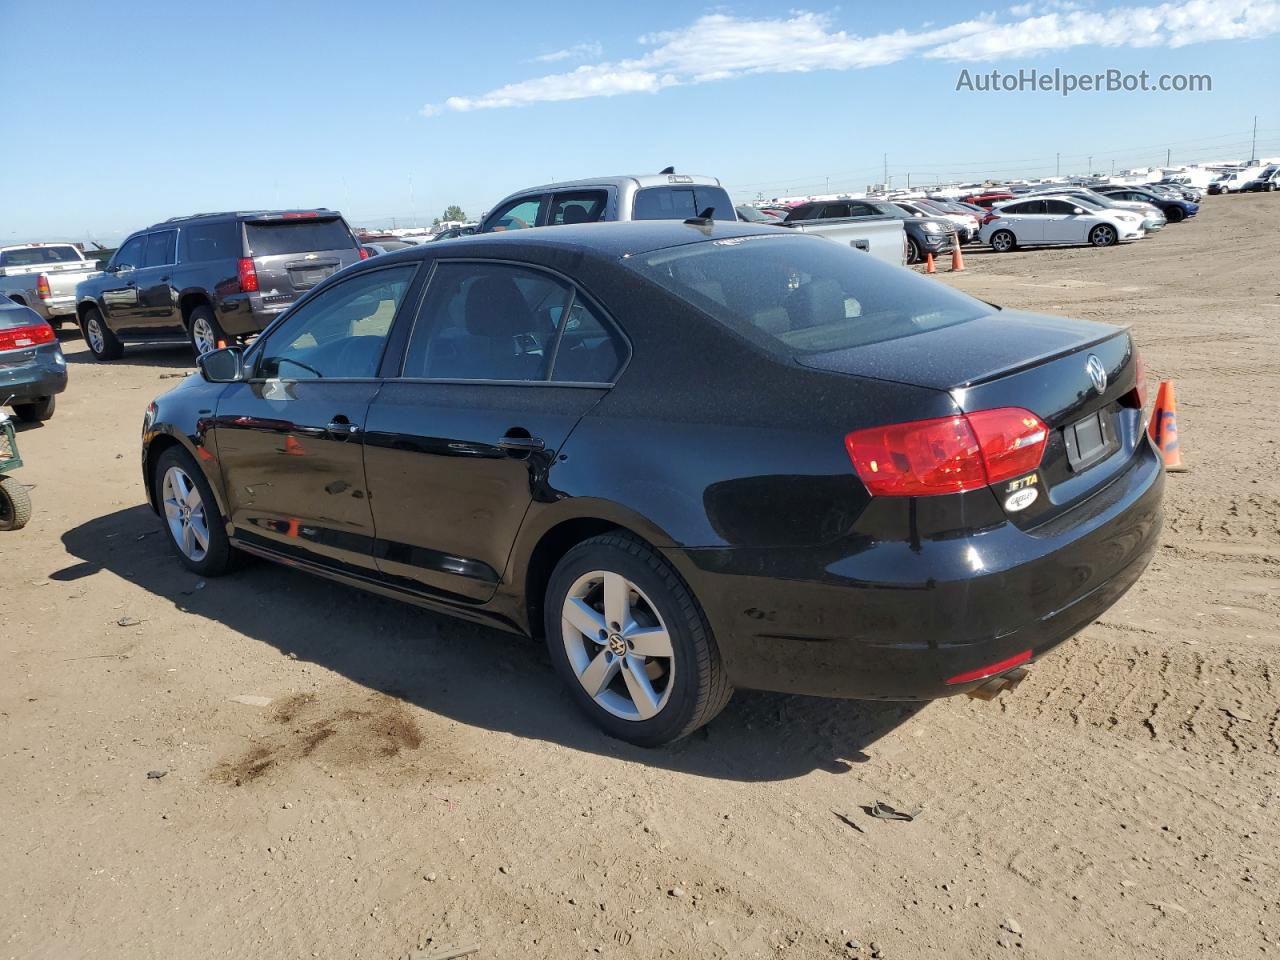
<point x="43" y="276"/>
<point x="883" y="237"/>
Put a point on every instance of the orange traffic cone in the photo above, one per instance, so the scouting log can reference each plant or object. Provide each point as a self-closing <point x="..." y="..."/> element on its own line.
<point x="1164" y="427"/>
<point x="957" y="259"/>
<point x="221" y="344"/>
<point x="928" y="263"/>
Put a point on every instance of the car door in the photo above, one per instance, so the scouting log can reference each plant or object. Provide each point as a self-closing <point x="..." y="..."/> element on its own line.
<point x="157" y="303"/>
<point x="1029" y="221"/>
<point x="289" y="438"/>
<point x="1061" y="224"/>
<point x="119" y="297"/>
<point x="503" y="361"/>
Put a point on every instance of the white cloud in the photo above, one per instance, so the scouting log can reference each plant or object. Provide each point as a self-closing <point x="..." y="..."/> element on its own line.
<point x="718" y="46"/>
<point x="579" y="51"/>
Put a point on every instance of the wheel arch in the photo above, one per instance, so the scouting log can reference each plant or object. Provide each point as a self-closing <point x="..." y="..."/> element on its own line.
<point x="189" y="301"/>
<point x="160" y="440"/>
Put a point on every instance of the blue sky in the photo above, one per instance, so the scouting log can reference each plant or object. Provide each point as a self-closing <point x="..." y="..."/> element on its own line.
<point x="117" y="115"/>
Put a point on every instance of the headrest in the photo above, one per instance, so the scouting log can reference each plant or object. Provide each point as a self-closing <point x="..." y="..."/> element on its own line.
<point x="575" y="214"/>
<point x="496" y="308"/>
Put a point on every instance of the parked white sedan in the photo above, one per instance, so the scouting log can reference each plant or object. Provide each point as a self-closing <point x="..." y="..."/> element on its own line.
<point x="1043" y="221"/>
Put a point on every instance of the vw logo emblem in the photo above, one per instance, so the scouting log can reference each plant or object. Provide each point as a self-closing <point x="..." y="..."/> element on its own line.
<point x="1097" y="373"/>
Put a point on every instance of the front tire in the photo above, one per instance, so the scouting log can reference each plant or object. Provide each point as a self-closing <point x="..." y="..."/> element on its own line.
<point x="913" y="251"/>
<point x="204" y="331"/>
<point x="103" y="343"/>
<point x="195" y="526"/>
<point x="1003" y="241"/>
<point x="15" y="504"/>
<point x="1104" y="235"/>
<point x="632" y="643"/>
<point x="1175" y="215"/>
<point x="37" y="412"/>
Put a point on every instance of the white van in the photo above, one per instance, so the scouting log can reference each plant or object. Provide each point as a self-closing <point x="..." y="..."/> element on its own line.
<point x="1233" y="181"/>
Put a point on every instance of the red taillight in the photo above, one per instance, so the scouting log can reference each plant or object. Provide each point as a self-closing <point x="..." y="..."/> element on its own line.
<point x="248" y="276"/>
<point x="1140" y="373"/>
<point x="18" y="338"/>
<point x="364" y="253"/>
<point x="989" y="217"/>
<point x="991" y="669"/>
<point x="42" y="287"/>
<point x="948" y="454"/>
<point x="299" y="215"/>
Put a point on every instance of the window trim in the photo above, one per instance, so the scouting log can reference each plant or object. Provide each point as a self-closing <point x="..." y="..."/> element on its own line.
<point x="254" y="353"/>
<point x="576" y="290"/>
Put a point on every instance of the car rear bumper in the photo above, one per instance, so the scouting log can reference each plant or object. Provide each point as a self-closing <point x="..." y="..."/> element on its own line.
<point x="242" y="314"/>
<point x="29" y="375"/>
<point x="894" y="620"/>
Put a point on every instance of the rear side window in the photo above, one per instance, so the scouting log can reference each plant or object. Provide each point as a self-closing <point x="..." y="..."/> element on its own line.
<point x="680" y="203"/>
<point x="211" y="241"/>
<point x="491" y="321"/>
<point x="833" y="210"/>
<point x="161" y="248"/>
<point x="34" y="256"/>
<point x="584" y="206"/>
<point x="804" y="294"/>
<point x="297" y="236"/>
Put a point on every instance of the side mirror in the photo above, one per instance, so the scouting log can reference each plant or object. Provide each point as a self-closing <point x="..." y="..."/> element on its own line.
<point x="222" y="366"/>
<point x="1077" y="210"/>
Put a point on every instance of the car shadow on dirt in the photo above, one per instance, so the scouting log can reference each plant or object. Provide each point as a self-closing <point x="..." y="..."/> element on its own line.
<point x="468" y="673"/>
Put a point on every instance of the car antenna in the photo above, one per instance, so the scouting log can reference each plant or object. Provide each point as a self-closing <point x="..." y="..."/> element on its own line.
<point x="666" y="170"/>
<point x="703" y="219"/>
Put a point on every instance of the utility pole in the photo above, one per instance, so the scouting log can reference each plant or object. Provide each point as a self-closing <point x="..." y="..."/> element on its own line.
<point x="886" y="163"/>
<point x="1058" y="170"/>
<point x="1253" y="150"/>
<point x="1090" y="170"/>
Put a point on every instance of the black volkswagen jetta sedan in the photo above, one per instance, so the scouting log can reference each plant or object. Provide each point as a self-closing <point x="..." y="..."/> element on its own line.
<point x="694" y="456"/>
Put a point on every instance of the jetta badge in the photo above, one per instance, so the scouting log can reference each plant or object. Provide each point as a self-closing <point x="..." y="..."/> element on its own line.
<point x="1097" y="373"/>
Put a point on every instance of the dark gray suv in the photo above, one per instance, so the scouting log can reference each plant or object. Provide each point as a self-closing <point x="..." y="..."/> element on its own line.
<point x="211" y="278"/>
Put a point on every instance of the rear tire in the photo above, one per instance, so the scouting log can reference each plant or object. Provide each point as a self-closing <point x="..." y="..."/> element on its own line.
<point x="103" y="343"/>
<point x="913" y="251"/>
<point x="1175" y="215"/>
<point x="36" y="412"/>
<point x="15" y="504"/>
<point x="1003" y="241"/>
<point x="660" y="617"/>
<point x="187" y="504"/>
<point x="204" y="331"/>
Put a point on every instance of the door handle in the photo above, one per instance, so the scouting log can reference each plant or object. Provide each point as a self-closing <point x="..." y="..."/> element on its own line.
<point x="343" y="428"/>
<point x="521" y="444"/>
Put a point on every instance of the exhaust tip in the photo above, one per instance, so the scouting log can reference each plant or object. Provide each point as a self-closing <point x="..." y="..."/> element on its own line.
<point x="998" y="685"/>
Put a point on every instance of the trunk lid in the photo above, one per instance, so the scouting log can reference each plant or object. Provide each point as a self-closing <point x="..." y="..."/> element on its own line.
<point x="1078" y="376"/>
<point x="293" y="253"/>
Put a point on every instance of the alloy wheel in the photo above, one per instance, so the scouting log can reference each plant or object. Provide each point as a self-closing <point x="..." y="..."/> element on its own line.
<point x="618" y="645"/>
<point x="202" y="336"/>
<point x="96" y="341"/>
<point x="1103" y="236"/>
<point x="1002" y="242"/>
<point x="184" y="511"/>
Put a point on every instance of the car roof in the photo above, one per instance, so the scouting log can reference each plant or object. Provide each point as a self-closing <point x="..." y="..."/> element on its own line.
<point x="240" y="215"/>
<point x="610" y="241"/>
<point x="640" y="180"/>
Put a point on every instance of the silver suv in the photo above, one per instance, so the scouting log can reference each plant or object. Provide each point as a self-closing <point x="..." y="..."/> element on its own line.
<point x="661" y="196"/>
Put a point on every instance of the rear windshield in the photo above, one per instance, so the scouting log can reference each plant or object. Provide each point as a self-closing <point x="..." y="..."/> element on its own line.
<point x="297" y="236"/>
<point x="804" y="294"/>
<point x="682" y="202"/>
<point x="34" y="256"/>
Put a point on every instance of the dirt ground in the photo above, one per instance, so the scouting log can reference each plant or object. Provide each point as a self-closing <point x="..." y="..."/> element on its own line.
<point x="415" y="783"/>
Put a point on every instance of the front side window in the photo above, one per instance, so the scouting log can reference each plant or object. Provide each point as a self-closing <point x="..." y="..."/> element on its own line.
<point x="340" y="332"/>
<point x="583" y="206"/>
<point x="517" y="215"/>
<point x="804" y="294"/>
<point x="131" y="255"/>
<point x="1058" y="207"/>
<point x="493" y="321"/>
<point x="161" y="248"/>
